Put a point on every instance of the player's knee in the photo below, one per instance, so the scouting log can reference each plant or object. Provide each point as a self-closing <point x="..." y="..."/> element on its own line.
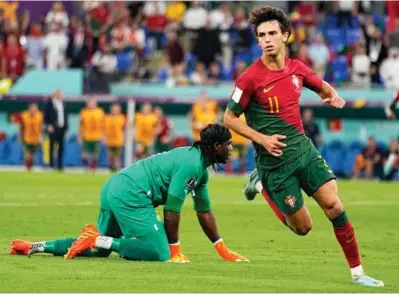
<point x="334" y="209"/>
<point x="304" y="229"/>
<point x="164" y="255"/>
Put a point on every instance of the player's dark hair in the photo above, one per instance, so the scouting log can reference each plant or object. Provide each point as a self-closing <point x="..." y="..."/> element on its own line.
<point x="263" y="14"/>
<point x="209" y="136"/>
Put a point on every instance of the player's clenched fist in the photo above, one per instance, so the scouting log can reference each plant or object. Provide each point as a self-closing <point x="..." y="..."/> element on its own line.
<point x="226" y="253"/>
<point x="273" y="145"/>
<point x="175" y="254"/>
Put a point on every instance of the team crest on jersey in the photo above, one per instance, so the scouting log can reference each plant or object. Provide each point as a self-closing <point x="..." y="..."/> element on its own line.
<point x="295" y="81"/>
<point x="290" y="201"/>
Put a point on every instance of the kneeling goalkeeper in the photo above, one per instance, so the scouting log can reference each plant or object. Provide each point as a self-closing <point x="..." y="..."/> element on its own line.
<point x="128" y="223"/>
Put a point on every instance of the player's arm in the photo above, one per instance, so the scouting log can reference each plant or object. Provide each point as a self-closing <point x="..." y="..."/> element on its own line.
<point x="391" y="109"/>
<point x="237" y="104"/>
<point x="207" y="221"/>
<point x="21" y="129"/>
<point x="81" y="128"/>
<point x="322" y="88"/>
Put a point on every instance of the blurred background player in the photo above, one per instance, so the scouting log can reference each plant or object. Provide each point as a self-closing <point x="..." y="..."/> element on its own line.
<point x="31" y="133"/>
<point x="204" y="111"/>
<point x="56" y="119"/>
<point x="145" y="126"/>
<point x="115" y="123"/>
<point x="91" y="132"/>
<point x="163" y="132"/>
<point x="287" y="162"/>
<point x="240" y="147"/>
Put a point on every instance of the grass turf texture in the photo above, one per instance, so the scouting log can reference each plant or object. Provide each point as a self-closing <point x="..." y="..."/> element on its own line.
<point x="45" y="206"/>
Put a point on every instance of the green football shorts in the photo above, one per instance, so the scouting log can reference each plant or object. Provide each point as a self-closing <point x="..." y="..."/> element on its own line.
<point x="307" y="172"/>
<point x="127" y="211"/>
<point x="92" y="147"/>
<point x="115" y="151"/>
<point x="31" y="148"/>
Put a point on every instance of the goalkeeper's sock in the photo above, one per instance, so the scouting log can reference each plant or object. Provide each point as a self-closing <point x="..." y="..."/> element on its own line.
<point x="274" y="207"/>
<point x="345" y="235"/>
<point x="57" y="247"/>
<point x="131" y="249"/>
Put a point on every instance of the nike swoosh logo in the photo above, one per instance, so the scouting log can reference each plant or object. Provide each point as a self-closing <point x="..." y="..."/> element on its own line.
<point x="268" y="89"/>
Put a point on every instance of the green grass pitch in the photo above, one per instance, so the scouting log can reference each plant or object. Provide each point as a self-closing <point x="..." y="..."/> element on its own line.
<point x="44" y="206"/>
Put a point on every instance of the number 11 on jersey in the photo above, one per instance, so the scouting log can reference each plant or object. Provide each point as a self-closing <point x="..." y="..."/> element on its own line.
<point x="274" y="106"/>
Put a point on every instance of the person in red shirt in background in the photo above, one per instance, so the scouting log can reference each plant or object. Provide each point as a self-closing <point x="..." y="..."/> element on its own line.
<point x="13" y="62"/>
<point x="163" y="132"/>
<point x="155" y="12"/>
<point x="303" y="55"/>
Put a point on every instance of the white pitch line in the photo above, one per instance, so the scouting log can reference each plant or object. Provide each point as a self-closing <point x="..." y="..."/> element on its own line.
<point x="90" y="203"/>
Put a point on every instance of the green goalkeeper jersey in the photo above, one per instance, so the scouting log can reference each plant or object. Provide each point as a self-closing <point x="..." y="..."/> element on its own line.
<point x="175" y="173"/>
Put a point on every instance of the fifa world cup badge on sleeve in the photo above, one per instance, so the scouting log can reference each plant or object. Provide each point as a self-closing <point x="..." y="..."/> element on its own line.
<point x="290" y="201"/>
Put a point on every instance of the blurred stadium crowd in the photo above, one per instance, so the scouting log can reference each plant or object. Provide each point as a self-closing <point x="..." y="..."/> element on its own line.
<point x="178" y="43"/>
<point x="199" y="42"/>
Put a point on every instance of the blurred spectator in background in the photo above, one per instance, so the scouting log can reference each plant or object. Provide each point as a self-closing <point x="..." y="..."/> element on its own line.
<point x="391" y="164"/>
<point x="241" y="67"/>
<point x="214" y="75"/>
<point x="163" y="132"/>
<point x="56" y="43"/>
<point x="361" y="68"/>
<point x="56" y="17"/>
<point x="224" y="21"/>
<point x="115" y="123"/>
<point x="375" y="47"/>
<point x="311" y="128"/>
<point x="319" y="55"/>
<point x="35" y="47"/>
<point x="345" y="10"/>
<point x="120" y="35"/>
<point x="144" y="73"/>
<point x="204" y="111"/>
<point x="78" y="49"/>
<point x="155" y="12"/>
<point x="24" y="23"/>
<point x="199" y="76"/>
<point x="178" y="76"/>
<point x="221" y="17"/>
<point x="145" y="126"/>
<point x="91" y="133"/>
<point x="173" y="49"/>
<point x="104" y="69"/>
<point x="56" y="120"/>
<point x="175" y="11"/>
<point x="393" y="37"/>
<point x="303" y="55"/>
<point x="370" y="161"/>
<point x="31" y="133"/>
<point x="137" y="39"/>
<point x="13" y="58"/>
<point x="207" y="45"/>
<point x="243" y="34"/>
<point x="194" y="19"/>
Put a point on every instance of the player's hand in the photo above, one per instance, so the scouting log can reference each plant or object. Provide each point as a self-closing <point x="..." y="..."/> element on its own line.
<point x="227" y="254"/>
<point x="335" y="101"/>
<point x="50" y="129"/>
<point x="273" y="145"/>
<point x="175" y="254"/>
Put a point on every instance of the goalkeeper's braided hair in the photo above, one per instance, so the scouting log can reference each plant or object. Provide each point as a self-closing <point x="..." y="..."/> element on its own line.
<point x="211" y="134"/>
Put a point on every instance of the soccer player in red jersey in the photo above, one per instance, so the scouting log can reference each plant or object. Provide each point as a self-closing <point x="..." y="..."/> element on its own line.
<point x="268" y="93"/>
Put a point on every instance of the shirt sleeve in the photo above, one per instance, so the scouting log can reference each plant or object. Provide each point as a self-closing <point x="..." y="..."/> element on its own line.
<point x="183" y="181"/>
<point x="173" y="204"/>
<point x="200" y="195"/>
<point x="242" y="93"/>
<point x="310" y="79"/>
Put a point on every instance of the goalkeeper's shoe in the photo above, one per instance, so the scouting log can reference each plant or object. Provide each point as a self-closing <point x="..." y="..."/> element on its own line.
<point x="20" y="247"/>
<point x="364" y="280"/>
<point x="250" y="188"/>
<point x="86" y="240"/>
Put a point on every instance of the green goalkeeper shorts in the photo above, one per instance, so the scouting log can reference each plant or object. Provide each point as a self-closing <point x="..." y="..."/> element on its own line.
<point x="127" y="211"/>
<point x="308" y="172"/>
